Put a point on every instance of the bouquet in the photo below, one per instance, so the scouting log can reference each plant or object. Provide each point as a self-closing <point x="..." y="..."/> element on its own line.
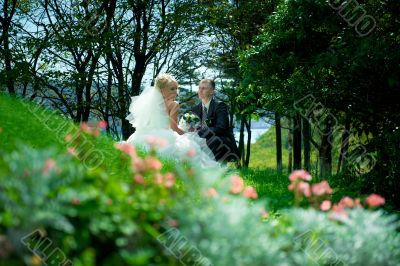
<point x="188" y="121"/>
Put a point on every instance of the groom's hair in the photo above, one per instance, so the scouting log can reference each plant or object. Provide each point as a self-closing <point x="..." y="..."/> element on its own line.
<point x="210" y="82"/>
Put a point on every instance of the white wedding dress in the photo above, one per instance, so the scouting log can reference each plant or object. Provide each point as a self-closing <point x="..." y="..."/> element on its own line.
<point x="148" y="114"/>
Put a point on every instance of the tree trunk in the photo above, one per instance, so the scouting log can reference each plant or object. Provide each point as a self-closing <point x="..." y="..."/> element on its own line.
<point x="79" y="98"/>
<point x="278" y="136"/>
<point x="7" y="61"/>
<point x="325" y="151"/>
<point x="241" y="140"/>
<point x="231" y="113"/>
<point x="138" y="74"/>
<point x="88" y="88"/>
<point x="290" y="146"/>
<point x="248" y="127"/>
<point x="345" y="144"/>
<point x="297" y="142"/>
<point x="123" y="102"/>
<point x="109" y="89"/>
<point x="307" y="144"/>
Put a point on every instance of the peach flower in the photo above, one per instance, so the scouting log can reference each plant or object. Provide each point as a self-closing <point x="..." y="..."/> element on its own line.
<point x="321" y="188"/>
<point x="338" y="213"/>
<point x="326" y="205"/>
<point x="158" y="179"/>
<point x="347" y="202"/>
<point x="50" y="165"/>
<point x="75" y="201"/>
<point x="154" y="141"/>
<point x="211" y="192"/>
<point x="304" y="188"/>
<point x="86" y="128"/>
<point x="139" y="179"/>
<point x="68" y="137"/>
<point x="72" y="151"/>
<point x="127" y="148"/>
<point x="264" y="213"/>
<point x="173" y="222"/>
<point x="102" y="124"/>
<point x="300" y="175"/>
<point x="250" y="192"/>
<point x="153" y="163"/>
<point x="169" y="180"/>
<point x="237" y="184"/>
<point x="138" y="165"/>
<point x="191" y="153"/>
<point x="375" y="200"/>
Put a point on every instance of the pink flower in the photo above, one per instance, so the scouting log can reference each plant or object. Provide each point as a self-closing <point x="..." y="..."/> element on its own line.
<point x="346" y="202"/>
<point x="151" y="140"/>
<point x="169" y="180"/>
<point x="127" y="148"/>
<point x="138" y="165"/>
<point x="250" y="192"/>
<point x="68" y="137"/>
<point x="50" y="165"/>
<point x="338" y="213"/>
<point x="357" y="202"/>
<point x="86" y="128"/>
<point x="173" y="223"/>
<point x="75" y="201"/>
<point x="321" y="188"/>
<point x="72" y="152"/>
<point x="96" y="133"/>
<point x="158" y="179"/>
<point x="154" y="141"/>
<point x="139" y="179"/>
<point x="326" y="205"/>
<point x="264" y="213"/>
<point x="300" y="175"/>
<point x="162" y="143"/>
<point x="375" y="200"/>
<point x="211" y="192"/>
<point x="191" y="153"/>
<point x="102" y="124"/>
<point x="237" y="184"/>
<point x="304" y="188"/>
<point x="152" y="163"/>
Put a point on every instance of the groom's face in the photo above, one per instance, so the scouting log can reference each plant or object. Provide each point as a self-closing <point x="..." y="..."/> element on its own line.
<point x="205" y="91"/>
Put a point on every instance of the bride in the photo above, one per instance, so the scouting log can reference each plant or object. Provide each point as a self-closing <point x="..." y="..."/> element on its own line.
<point x="154" y="114"/>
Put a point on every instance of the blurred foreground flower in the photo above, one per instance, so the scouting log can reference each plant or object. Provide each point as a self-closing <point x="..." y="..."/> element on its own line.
<point x="237" y="184"/>
<point x="374" y="200"/>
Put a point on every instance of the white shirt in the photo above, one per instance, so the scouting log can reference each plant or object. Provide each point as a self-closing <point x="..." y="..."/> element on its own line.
<point x="207" y="105"/>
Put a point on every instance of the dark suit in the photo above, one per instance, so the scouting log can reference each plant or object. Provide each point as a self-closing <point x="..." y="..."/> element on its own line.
<point x="219" y="136"/>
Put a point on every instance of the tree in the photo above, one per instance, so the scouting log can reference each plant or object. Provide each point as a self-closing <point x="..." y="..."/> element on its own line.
<point x="9" y="9"/>
<point x="234" y="24"/>
<point x="320" y="51"/>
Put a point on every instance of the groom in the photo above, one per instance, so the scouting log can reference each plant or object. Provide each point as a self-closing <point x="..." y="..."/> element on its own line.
<point x="215" y="124"/>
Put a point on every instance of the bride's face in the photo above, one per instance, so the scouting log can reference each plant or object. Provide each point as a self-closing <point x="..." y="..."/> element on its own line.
<point x="170" y="92"/>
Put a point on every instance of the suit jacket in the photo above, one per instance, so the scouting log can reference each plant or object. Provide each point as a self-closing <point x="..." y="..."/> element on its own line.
<point x="218" y="134"/>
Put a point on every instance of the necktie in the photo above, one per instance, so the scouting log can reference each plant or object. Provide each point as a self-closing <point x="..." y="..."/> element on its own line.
<point x="204" y="116"/>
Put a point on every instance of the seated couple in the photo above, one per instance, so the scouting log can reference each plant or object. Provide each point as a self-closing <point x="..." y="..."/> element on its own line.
<point x="154" y="115"/>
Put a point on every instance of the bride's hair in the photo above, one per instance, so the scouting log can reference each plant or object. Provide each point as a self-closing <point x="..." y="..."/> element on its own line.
<point x="164" y="80"/>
